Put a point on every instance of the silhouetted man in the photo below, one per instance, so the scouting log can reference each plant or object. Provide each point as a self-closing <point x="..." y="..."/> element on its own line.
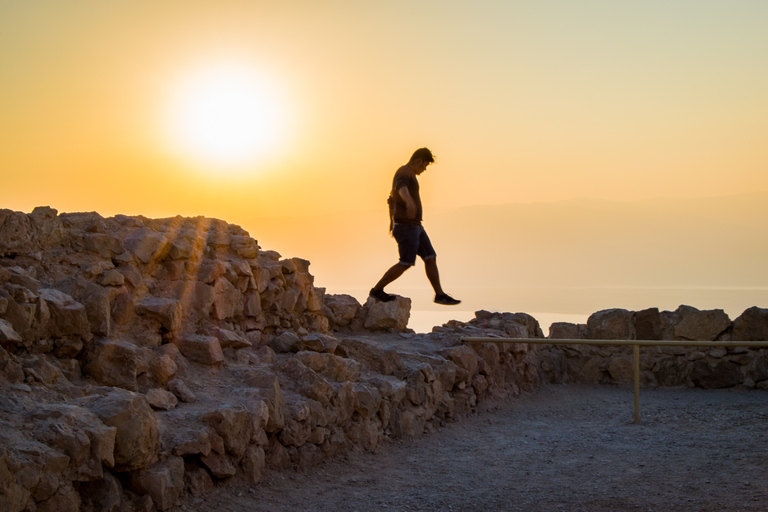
<point x="405" y="224"/>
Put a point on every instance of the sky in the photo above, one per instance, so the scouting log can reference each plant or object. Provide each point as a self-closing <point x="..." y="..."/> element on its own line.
<point x="103" y="107"/>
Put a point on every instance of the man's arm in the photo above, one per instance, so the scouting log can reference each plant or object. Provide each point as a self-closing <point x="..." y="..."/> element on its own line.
<point x="410" y="204"/>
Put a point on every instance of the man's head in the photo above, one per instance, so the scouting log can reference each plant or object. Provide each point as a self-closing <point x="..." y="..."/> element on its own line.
<point x="421" y="158"/>
<point x="422" y="154"/>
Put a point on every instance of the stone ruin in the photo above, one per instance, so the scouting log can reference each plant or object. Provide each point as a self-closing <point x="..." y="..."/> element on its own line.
<point x="145" y="360"/>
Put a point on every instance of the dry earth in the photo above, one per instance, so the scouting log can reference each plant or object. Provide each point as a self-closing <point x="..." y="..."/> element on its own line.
<point x="571" y="448"/>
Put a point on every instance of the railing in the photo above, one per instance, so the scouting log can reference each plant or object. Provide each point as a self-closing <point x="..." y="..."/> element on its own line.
<point x="636" y="344"/>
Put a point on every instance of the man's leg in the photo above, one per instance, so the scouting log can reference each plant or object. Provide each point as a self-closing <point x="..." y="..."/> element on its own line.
<point x="430" y="265"/>
<point x="390" y="275"/>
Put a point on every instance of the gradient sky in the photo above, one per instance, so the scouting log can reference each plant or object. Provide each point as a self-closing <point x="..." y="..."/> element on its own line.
<point x="521" y="101"/>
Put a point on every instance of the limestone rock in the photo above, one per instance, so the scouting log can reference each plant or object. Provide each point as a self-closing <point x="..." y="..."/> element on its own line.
<point x="235" y="426"/>
<point x="147" y="245"/>
<point x="751" y="325"/>
<point x="284" y="342"/>
<point x="168" y="311"/>
<point x="113" y="363"/>
<point x="79" y="434"/>
<point x="8" y="337"/>
<point x="386" y="362"/>
<point x="332" y="366"/>
<point x="724" y="374"/>
<point x="387" y="315"/>
<point x="163" y="481"/>
<point x="102" y="495"/>
<point x="201" y="349"/>
<point x="611" y="324"/>
<point x="67" y="316"/>
<point x="566" y="331"/>
<point x="137" y="441"/>
<point x="159" y="398"/>
<point x="702" y="325"/>
<point x="181" y="391"/>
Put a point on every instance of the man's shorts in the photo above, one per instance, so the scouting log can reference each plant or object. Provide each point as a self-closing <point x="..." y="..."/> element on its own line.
<point x="412" y="241"/>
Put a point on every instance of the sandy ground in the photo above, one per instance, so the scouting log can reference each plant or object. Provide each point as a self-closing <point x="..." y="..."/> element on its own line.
<point x="570" y="448"/>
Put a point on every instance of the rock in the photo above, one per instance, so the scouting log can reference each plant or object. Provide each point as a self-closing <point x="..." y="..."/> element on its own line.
<point x="462" y="356"/>
<point x="227" y="299"/>
<point x="163" y="481"/>
<point x="162" y="368"/>
<point x="65" y="499"/>
<point x="79" y="434"/>
<point x="68" y="317"/>
<point x="648" y="324"/>
<point x="8" y="337"/>
<point x="337" y="368"/>
<point x="254" y="463"/>
<point x="387" y="315"/>
<point x="611" y="324"/>
<point x="566" y="331"/>
<point x="621" y="369"/>
<point x="284" y="342"/>
<point x="343" y="307"/>
<point x="159" y="398"/>
<point x="102" y="244"/>
<point x="101" y="495"/>
<point x="751" y="325"/>
<point x="113" y="363"/>
<point x="235" y="426"/>
<point x="724" y="374"/>
<point x="201" y="349"/>
<point x="702" y="325"/>
<point x="137" y="441"/>
<point x="168" y="311"/>
<point x="268" y="388"/>
<point x="198" y="481"/>
<point x="386" y="362"/>
<point x="220" y="465"/>
<point x="49" y="230"/>
<point x="16" y="233"/>
<point x="181" y="391"/>
<point x="147" y="245"/>
<point x="230" y="339"/>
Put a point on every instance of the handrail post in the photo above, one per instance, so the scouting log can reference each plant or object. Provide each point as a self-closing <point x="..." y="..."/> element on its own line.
<point x="637" y="382"/>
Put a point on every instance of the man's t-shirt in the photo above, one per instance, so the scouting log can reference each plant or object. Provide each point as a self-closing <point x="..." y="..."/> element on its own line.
<point x="404" y="177"/>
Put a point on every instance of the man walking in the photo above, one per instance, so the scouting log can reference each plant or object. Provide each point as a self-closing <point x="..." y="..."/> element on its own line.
<point x="405" y="224"/>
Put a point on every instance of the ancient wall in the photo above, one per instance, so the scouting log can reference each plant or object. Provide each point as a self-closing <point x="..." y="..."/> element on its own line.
<point x="144" y="360"/>
<point x="714" y="367"/>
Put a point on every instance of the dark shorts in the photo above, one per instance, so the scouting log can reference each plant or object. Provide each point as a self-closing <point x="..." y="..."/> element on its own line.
<point x="412" y="241"/>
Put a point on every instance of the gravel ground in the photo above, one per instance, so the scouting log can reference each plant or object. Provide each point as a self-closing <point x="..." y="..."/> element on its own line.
<point x="571" y="448"/>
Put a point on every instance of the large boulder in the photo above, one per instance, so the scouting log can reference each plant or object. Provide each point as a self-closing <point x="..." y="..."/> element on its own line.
<point x="343" y="309"/>
<point x="611" y="324"/>
<point x="162" y="481"/>
<point x="387" y="315"/>
<point x="751" y="325"/>
<point x="79" y="434"/>
<point x="67" y="316"/>
<point x="113" y="363"/>
<point x="201" y="349"/>
<point x="702" y="325"/>
<point x="137" y="441"/>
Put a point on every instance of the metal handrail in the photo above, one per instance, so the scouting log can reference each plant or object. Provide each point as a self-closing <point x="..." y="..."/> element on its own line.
<point x="636" y="344"/>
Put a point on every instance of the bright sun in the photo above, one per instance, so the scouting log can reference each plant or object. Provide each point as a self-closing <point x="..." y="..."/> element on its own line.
<point x="227" y="115"/>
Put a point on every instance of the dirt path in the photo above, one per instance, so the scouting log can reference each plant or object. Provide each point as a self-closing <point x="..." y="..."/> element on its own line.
<point x="571" y="448"/>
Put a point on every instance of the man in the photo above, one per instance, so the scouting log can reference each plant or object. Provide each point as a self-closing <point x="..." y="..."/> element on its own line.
<point x="405" y="224"/>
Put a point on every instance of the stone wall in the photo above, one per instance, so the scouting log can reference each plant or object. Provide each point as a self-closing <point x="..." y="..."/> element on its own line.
<point x="145" y="360"/>
<point x="706" y="367"/>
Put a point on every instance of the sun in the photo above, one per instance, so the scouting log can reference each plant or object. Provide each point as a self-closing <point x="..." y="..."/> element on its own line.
<point x="227" y="116"/>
